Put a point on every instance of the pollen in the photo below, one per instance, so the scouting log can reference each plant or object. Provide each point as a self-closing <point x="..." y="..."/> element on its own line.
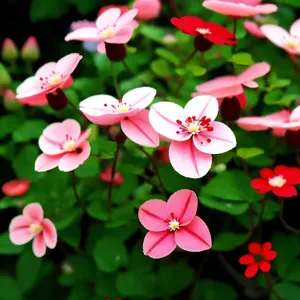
<point x="203" y="31"/>
<point x="69" y="146"/>
<point x="277" y="181"/>
<point x="108" y="33"/>
<point x="293" y="44"/>
<point x="55" y="79"/>
<point x="123" y="108"/>
<point x="174" y="225"/>
<point x="193" y="128"/>
<point x="36" y="228"/>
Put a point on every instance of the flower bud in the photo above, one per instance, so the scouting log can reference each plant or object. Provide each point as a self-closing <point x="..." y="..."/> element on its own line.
<point x="106" y="176"/>
<point x="10" y="51"/>
<point x="57" y="99"/>
<point x="4" y="76"/>
<point x="220" y="168"/>
<point x="202" y="44"/>
<point x="147" y="9"/>
<point x="31" y="50"/>
<point x="10" y="101"/>
<point x="115" y="52"/>
<point x="230" y="109"/>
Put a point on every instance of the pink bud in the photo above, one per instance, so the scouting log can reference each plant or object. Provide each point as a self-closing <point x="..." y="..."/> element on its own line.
<point x="10" y="102"/>
<point x="106" y="176"/>
<point x="10" y="51"/>
<point x="147" y="9"/>
<point x="17" y="187"/>
<point x="31" y="50"/>
<point x="9" y="95"/>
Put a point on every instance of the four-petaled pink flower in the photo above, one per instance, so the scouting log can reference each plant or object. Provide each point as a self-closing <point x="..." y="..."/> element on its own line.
<point x="111" y="27"/>
<point x="32" y="225"/>
<point x="47" y="79"/>
<point x="63" y="145"/>
<point x="129" y="111"/>
<point x="194" y="134"/>
<point x="240" y="8"/>
<point x="233" y="85"/>
<point x="290" y="42"/>
<point x="173" y="223"/>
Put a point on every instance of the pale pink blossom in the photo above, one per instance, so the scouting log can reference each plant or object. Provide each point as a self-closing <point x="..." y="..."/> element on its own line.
<point x="194" y="133"/>
<point x="47" y="79"/>
<point x="254" y="29"/>
<point x="129" y="111"/>
<point x="233" y="85"/>
<point x="240" y="8"/>
<point x="33" y="225"/>
<point x="63" y="145"/>
<point x="16" y="187"/>
<point x="173" y="223"/>
<point x="111" y="27"/>
<point x="289" y="41"/>
<point x="147" y="9"/>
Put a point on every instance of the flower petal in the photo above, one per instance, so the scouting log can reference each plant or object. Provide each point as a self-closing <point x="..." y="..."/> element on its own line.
<point x="251" y="271"/>
<point x="140" y="97"/>
<point x="34" y="212"/>
<point x="46" y="162"/>
<point x="254" y="248"/>
<point x="88" y="34"/>
<point x="247" y="259"/>
<point x="285" y="191"/>
<point x="272" y="254"/>
<point x="19" y="222"/>
<point x="194" y="237"/>
<point x="254" y="29"/>
<point x="121" y="37"/>
<point x="266" y="173"/>
<point x="265" y="266"/>
<point x="83" y="137"/>
<point x="109" y="17"/>
<point x="261" y="185"/>
<point x="188" y="24"/>
<point x="45" y="70"/>
<point x="295" y="28"/>
<point x="49" y="233"/>
<point x="266" y="247"/>
<point x="153" y="215"/>
<point x="125" y="19"/>
<point x="68" y="64"/>
<point x="39" y="246"/>
<point x="20" y="236"/>
<point x="255" y="71"/>
<point x="275" y="34"/>
<point x="159" y="244"/>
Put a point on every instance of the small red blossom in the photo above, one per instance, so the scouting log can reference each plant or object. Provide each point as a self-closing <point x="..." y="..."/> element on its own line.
<point x="106" y="176"/>
<point x="258" y="259"/>
<point x="16" y="187"/>
<point x="281" y="181"/>
<point x="162" y="154"/>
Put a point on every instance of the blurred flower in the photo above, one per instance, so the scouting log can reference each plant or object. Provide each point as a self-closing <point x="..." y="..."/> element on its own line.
<point x="5" y="78"/>
<point x="32" y="225"/>
<point x="10" y="51"/>
<point x="129" y="111"/>
<point x="106" y="176"/>
<point x="233" y="85"/>
<point x="147" y="9"/>
<point x="122" y="8"/>
<point x="47" y="79"/>
<point x="31" y="49"/>
<point x="63" y="145"/>
<point x="16" y="187"/>
<point x="258" y="259"/>
<point x="173" y="223"/>
<point x="280" y="181"/>
<point x="240" y="8"/>
<point x="10" y="101"/>
<point x="169" y="39"/>
<point x="162" y="153"/>
<point x="290" y="42"/>
<point x="254" y="29"/>
<point x="67" y="268"/>
<point x="220" y="168"/>
<point x="194" y="133"/>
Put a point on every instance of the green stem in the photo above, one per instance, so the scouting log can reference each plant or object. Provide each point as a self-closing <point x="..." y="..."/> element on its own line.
<point x="28" y="68"/>
<point x="115" y="80"/>
<point x="262" y="209"/>
<point x="174" y="8"/>
<point x="271" y="286"/>
<point x="75" y="191"/>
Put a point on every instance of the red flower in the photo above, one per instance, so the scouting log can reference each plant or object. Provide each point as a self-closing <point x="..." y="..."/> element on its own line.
<point x="258" y="259"/>
<point x="195" y="26"/>
<point x="280" y="181"/>
<point x="17" y="187"/>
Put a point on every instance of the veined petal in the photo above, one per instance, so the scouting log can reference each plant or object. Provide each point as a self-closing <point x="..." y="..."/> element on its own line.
<point x="126" y="18"/>
<point x="109" y="17"/>
<point x="87" y="34"/>
<point x="34" y="212"/>
<point x="39" y="246"/>
<point x="67" y="64"/>
<point x="140" y="97"/>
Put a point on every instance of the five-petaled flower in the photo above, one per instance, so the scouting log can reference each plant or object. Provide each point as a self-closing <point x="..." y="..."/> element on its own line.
<point x="173" y="223"/>
<point x="33" y="225"/>
<point x="130" y="112"/>
<point x="63" y="145"/>
<point x="47" y="79"/>
<point x="281" y="181"/>
<point x="258" y="259"/>
<point x="194" y="134"/>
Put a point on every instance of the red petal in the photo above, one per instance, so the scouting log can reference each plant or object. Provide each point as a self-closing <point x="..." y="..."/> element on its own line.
<point x="251" y="270"/>
<point x="270" y="255"/>
<point x="291" y="174"/>
<point x="285" y="191"/>
<point x="242" y="100"/>
<point x="188" y="24"/>
<point x="266" y="173"/>
<point x="266" y="247"/>
<point x="262" y="185"/>
<point x="247" y="259"/>
<point x="254" y="248"/>
<point x="279" y="170"/>
<point x="265" y="266"/>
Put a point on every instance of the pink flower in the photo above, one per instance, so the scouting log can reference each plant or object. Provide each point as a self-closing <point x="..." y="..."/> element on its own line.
<point x="129" y="111"/>
<point x="106" y="176"/>
<point x="16" y="187"/>
<point x="194" y="134"/>
<point x="240" y="8"/>
<point x="173" y="223"/>
<point x="31" y="49"/>
<point x="233" y="85"/>
<point x="32" y="225"/>
<point x="254" y="29"/>
<point x="111" y="27"/>
<point x="63" y="145"/>
<point x="290" y="42"/>
<point x="147" y="9"/>
<point x="47" y="79"/>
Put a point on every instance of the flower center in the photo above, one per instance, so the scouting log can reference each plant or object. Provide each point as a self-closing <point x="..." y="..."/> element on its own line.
<point x="123" y="108"/>
<point x="53" y="79"/>
<point x="69" y="144"/>
<point x="174" y="225"/>
<point x="277" y="181"/>
<point x="36" y="228"/>
<point x="291" y="42"/>
<point x="107" y="32"/>
<point x="203" y="31"/>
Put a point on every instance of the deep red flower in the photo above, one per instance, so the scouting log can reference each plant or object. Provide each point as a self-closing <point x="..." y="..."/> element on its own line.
<point x="106" y="176"/>
<point x="280" y="181"/>
<point x="197" y="27"/>
<point x="17" y="187"/>
<point x="258" y="259"/>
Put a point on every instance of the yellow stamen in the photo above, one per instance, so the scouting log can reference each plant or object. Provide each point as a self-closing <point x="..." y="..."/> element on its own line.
<point x="36" y="228"/>
<point x="123" y="108"/>
<point x="174" y="225"/>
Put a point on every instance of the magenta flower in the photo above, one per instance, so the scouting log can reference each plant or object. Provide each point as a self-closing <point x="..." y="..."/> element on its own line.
<point x="47" y="79"/>
<point x="240" y="8"/>
<point x="32" y="225"/>
<point x="254" y="29"/>
<point x="290" y="42"/>
<point x="129" y="111"/>
<point x="63" y="145"/>
<point x="111" y="27"/>
<point x="173" y="223"/>
<point x="194" y="134"/>
<point x="233" y="85"/>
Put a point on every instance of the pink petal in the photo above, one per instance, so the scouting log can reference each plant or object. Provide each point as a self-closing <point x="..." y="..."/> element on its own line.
<point x="109" y="17"/>
<point x="159" y="244"/>
<point x="101" y="47"/>
<point x="72" y="160"/>
<point x="34" y="212"/>
<point x="83" y="137"/>
<point x="194" y="237"/>
<point x="182" y="206"/>
<point x="49" y="233"/>
<point x="47" y="162"/>
<point x="220" y="140"/>
<point x="69" y="127"/>
<point x="153" y="215"/>
<point x="139" y="129"/>
<point x="202" y="106"/>
<point x="20" y="236"/>
<point x="83" y="24"/>
<point x="255" y="71"/>
<point x="275" y="34"/>
<point x="188" y="161"/>
<point x="121" y="37"/>
<point x="140" y="97"/>
<point x="295" y="115"/>
<point x="45" y="70"/>
<point x="19" y="222"/>
<point x="254" y="29"/>
<point x="87" y="34"/>
<point x="216" y="84"/>
<point x="295" y="28"/>
<point x="67" y="64"/>
<point x="39" y="246"/>
<point x="163" y="116"/>
<point x="126" y="18"/>
<point x="251" y="84"/>
<point x="68" y="82"/>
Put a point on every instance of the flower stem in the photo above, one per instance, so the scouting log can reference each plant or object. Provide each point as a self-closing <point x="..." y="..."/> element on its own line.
<point x="260" y="216"/>
<point x="174" y="8"/>
<point x="75" y="191"/>
<point x="115" y="80"/>
<point x="271" y="286"/>
<point x="284" y="222"/>
<point x="235" y="22"/>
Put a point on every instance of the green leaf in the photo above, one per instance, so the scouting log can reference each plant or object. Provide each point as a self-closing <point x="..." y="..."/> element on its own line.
<point x="242" y="58"/>
<point x="66" y="218"/>
<point x="153" y="33"/>
<point x="138" y="261"/>
<point x="167" y="55"/>
<point x="7" y="247"/>
<point x="9" y="289"/>
<point x="88" y="86"/>
<point x="71" y="235"/>
<point x="90" y="168"/>
<point x="104" y="147"/>
<point x="293" y="271"/>
<point x="227" y="241"/>
<point x="196" y="70"/>
<point x="289" y="2"/>
<point x="246" y="153"/>
<point x="98" y="210"/>
<point x="9" y="124"/>
<point x="84" y="7"/>
<point x="287" y="291"/>
<point x="161" y="67"/>
<point x="110" y="254"/>
<point x="28" y="268"/>
<point x="80" y="291"/>
<point x="31" y="129"/>
<point x="106" y="286"/>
